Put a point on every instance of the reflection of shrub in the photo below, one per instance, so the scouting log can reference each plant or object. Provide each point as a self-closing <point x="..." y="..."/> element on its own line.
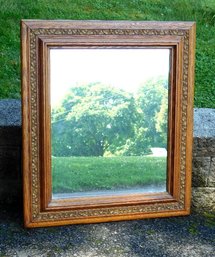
<point x="137" y="147"/>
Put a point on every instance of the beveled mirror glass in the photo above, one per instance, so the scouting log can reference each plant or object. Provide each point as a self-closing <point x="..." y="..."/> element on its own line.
<point x="107" y="120"/>
<point x="109" y="111"/>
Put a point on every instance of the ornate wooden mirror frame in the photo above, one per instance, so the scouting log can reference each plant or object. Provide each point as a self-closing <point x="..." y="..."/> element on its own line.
<point x="38" y="37"/>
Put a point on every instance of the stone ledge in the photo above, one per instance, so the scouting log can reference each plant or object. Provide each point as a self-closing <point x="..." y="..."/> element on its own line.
<point x="203" y="172"/>
<point x="204" y="123"/>
<point x="204" y="146"/>
<point x="203" y="199"/>
<point x="10" y="113"/>
<point x="10" y="191"/>
<point x="10" y="136"/>
<point x="211" y="177"/>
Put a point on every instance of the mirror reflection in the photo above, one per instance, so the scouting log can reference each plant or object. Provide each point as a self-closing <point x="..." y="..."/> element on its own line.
<point x="109" y="111"/>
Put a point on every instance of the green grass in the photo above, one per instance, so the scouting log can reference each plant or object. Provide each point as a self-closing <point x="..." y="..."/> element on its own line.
<point x="210" y="219"/>
<point x="77" y="174"/>
<point x="201" y="11"/>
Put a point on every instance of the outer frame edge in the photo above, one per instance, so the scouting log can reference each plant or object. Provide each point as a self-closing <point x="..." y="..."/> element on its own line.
<point x="93" y="220"/>
<point x="29" y="221"/>
<point x="191" y="74"/>
<point x="25" y="122"/>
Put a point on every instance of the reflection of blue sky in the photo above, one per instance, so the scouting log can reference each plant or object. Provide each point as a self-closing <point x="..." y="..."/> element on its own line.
<point x="122" y="68"/>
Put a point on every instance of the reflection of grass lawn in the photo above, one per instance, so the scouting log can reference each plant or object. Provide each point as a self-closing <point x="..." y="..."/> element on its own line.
<point x="77" y="174"/>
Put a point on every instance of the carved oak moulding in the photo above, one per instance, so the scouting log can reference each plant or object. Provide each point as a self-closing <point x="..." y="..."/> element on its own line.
<point x="107" y="110"/>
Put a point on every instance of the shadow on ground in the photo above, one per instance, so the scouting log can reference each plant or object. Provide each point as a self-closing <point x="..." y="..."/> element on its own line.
<point x="182" y="236"/>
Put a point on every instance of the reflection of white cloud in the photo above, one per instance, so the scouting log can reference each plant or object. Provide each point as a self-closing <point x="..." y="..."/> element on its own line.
<point x="122" y="68"/>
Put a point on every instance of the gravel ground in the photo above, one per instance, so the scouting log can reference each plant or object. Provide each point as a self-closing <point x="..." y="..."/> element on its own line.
<point x="182" y="236"/>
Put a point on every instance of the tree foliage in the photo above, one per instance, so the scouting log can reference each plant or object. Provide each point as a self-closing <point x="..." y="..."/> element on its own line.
<point x="153" y="101"/>
<point x="98" y="120"/>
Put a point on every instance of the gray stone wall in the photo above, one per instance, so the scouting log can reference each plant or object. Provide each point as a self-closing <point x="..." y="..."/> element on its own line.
<point x="10" y="152"/>
<point x="203" y="179"/>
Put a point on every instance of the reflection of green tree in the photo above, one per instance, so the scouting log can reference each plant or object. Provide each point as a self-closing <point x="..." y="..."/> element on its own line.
<point x="153" y="101"/>
<point x="162" y="119"/>
<point x="91" y="119"/>
<point x="95" y="119"/>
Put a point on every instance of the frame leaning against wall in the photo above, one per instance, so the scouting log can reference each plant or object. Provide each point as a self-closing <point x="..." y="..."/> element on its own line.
<point x="38" y="37"/>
